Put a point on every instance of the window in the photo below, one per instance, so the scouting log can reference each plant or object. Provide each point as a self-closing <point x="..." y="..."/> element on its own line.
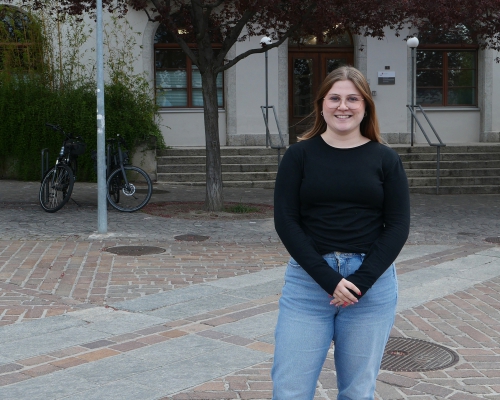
<point x="177" y="80"/>
<point x="20" y="40"/>
<point x="447" y="72"/>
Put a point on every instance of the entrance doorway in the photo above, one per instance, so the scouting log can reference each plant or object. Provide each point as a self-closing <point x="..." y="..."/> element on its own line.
<point x="308" y="67"/>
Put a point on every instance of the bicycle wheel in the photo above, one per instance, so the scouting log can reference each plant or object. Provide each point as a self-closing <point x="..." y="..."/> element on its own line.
<point x="114" y="189"/>
<point x="134" y="196"/>
<point x="56" y="188"/>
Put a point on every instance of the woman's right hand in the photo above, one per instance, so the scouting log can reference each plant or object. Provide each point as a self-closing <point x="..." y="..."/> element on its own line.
<point x="342" y="295"/>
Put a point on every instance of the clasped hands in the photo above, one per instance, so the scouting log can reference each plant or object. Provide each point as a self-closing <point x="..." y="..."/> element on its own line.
<point x="342" y="295"/>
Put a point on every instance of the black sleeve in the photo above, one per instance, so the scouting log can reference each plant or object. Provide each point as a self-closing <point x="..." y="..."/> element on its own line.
<point x="396" y="214"/>
<point x="287" y="222"/>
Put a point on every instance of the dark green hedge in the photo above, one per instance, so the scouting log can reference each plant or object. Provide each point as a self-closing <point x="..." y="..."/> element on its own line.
<point x="27" y="104"/>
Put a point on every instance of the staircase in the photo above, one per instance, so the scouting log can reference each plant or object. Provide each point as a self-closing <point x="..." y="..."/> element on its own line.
<point x="464" y="168"/>
<point x="241" y="166"/>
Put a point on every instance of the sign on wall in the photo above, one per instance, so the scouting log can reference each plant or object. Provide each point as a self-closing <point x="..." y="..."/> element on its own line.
<point x="386" y="77"/>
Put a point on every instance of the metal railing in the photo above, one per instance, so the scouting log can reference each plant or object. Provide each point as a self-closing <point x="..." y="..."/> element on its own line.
<point x="269" y="142"/>
<point x="437" y="145"/>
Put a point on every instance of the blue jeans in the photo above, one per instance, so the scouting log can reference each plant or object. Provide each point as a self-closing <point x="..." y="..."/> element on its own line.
<point x="307" y="323"/>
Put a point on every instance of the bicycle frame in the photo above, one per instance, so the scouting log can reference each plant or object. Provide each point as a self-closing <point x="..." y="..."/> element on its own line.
<point x="59" y="180"/>
<point x="65" y="157"/>
<point x="113" y="149"/>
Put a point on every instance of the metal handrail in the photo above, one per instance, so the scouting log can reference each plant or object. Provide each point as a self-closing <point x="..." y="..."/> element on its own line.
<point x="268" y="134"/>
<point x="437" y="145"/>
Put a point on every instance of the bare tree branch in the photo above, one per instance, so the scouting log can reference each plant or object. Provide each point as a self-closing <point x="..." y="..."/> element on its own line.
<point x="179" y="40"/>
<point x="231" y="39"/>
<point x="253" y="51"/>
<point x="288" y="33"/>
<point x="201" y="20"/>
<point x="213" y="6"/>
<point x="149" y="17"/>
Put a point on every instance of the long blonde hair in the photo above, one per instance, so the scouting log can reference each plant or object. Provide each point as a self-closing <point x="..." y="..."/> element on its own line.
<point x="369" y="125"/>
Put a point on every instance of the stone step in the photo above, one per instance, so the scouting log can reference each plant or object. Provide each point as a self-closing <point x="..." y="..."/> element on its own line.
<point x="401" y="149"/>
<point x="243" y="159"/>
<point x="173" y="168"/>
<point x="455" y="181"/>
<point x="443" y="190"/>
<point x="452" y="164"/>
<point x="453" y="172"/>
<point x="450" y="156"/>
<point x="464" y="168"/>
<point x="226" y="176"/>
<point x="240" y="184"/>
<point x="476" y="148"/>
<point x="225" y="151"/>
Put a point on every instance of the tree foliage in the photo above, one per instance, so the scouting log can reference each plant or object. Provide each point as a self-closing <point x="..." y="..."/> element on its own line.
<point x="481" y="19"/>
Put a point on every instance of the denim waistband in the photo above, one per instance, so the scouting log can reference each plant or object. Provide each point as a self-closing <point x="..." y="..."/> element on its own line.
<point x="339" y="253"/>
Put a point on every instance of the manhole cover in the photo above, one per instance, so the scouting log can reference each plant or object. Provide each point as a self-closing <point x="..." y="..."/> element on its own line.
<point x="135" y="250"/>
<point x="466" y="234"/>
<point x="413" y="355"/>
<point x="494" y="239"/>
<point x="191" y="238"/>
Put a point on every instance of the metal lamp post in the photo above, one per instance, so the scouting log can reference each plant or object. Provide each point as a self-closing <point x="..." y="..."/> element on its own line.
<point x="102" y="214"/>
<point x="264" y="42"/>
<point x="412" y="44"/>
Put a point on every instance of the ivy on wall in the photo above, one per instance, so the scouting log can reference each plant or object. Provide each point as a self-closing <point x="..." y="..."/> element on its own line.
<point x="45" y="76"/>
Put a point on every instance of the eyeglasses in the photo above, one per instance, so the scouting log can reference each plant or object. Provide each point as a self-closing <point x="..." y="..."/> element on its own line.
<point x="352" y="102"/>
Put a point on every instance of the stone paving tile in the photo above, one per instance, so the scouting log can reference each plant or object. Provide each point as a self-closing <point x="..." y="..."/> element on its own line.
<point x="467" y="380"/>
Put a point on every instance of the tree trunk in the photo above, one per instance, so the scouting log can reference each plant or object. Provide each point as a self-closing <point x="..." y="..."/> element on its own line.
<point x="213" y="196"/>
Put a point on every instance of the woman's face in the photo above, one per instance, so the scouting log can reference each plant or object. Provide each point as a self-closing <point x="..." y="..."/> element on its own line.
<point x="343" y="108"/>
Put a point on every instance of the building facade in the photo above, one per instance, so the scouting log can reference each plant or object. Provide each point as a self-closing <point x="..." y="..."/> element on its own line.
<point x="457" y="84"/>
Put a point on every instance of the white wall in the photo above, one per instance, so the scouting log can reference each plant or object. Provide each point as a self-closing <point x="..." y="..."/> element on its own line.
<point x="454" y="126"/>
<point x="390" y="100"/>
<point x="249" y="94"/>
<point x="187" y="128"/>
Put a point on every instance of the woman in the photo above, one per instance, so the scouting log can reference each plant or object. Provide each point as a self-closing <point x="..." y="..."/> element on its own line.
<point x="342" y="211"/>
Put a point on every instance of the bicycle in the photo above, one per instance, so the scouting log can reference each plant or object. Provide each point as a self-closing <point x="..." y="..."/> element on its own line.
<point x="57" y="183"/>
<point x="129" y="188"/>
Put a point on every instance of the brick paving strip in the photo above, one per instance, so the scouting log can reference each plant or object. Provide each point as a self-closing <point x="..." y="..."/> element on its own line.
<point x="46" y="278"/>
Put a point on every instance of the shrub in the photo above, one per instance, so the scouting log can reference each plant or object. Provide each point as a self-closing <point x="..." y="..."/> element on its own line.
<point x="57" y="86"/>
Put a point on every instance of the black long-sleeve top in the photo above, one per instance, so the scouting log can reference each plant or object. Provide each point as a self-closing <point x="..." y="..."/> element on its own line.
<point x="353" y="200"/>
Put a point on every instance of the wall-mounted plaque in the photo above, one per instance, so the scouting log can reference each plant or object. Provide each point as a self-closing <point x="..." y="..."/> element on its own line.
<point x="386" y="77"/>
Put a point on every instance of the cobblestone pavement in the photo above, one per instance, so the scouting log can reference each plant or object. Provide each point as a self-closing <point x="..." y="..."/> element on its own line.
<point x="195" y="321"/>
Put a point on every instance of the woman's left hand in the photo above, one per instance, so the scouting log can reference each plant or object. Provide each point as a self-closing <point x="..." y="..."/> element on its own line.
<point x="342" y="295"/>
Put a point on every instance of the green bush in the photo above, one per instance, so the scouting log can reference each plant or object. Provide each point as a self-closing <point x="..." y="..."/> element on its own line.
<point x="50" y="81"/>
<point x="26" y="104"/>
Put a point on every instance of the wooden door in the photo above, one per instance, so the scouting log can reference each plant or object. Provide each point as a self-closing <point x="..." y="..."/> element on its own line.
<point x="307" y="69"/>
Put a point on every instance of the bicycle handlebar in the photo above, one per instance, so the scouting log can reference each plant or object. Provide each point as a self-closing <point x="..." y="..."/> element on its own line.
<point x="119" y="139"/>
<point x="53" y="126"/>
<point x="67" y="134"/>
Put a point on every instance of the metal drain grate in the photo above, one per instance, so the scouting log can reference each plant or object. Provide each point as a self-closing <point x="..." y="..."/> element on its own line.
<point x="191" y="238"/>
<point x="414" y="355"/>
<point x="494" y="239"/>
<point x="135" y="250"/>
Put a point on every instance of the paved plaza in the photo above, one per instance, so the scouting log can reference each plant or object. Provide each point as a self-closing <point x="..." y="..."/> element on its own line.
<point x="196" y="320"/>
